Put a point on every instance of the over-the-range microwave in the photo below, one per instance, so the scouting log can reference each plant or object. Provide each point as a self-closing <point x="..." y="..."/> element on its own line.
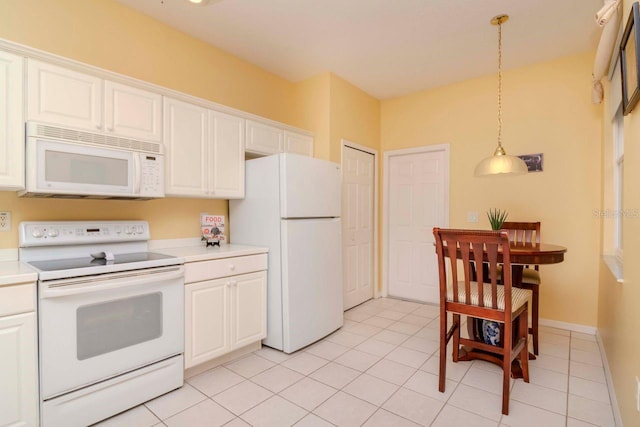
<point x="68" y="163"/>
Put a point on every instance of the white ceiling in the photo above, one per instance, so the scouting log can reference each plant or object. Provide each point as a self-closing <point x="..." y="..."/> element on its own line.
<point x="387" y="48"/>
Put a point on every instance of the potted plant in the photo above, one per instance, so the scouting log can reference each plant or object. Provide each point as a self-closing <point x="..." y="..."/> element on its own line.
<point x="497" y="218"/>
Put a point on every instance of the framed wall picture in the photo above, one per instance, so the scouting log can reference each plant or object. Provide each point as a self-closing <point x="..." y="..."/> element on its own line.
<point x="534" y="162"/>
<point x="629" y="61"/>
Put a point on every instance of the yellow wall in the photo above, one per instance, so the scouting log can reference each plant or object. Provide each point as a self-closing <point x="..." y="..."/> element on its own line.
<point x="313" y="104"/>
<point x="546" y="109"/>
<point x="618" y="314"/>
<point x="108" y="35"/>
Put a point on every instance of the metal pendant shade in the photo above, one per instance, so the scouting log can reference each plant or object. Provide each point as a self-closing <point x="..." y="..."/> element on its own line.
<point x="500" y="162"/>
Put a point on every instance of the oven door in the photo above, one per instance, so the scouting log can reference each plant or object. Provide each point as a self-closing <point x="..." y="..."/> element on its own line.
<point x="94" y="328"/>
<point x="55" y="167"/>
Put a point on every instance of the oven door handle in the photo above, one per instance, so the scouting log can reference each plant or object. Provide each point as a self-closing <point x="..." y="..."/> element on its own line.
<point x="66" y="287"/>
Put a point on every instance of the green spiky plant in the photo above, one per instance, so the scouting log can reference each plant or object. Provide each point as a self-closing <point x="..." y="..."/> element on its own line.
<point x="496" y="218"/>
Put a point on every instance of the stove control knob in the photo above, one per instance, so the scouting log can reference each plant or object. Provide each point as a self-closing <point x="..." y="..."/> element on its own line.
<point x="53" y="233"/>
<point x="128" y="230"/>
<point x="37" y="233"/>
<point x="139" y="229"/>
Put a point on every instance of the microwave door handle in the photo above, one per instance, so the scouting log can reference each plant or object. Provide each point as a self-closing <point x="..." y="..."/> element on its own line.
<point x="90" y="285"/>
<point x="137" y="173"/>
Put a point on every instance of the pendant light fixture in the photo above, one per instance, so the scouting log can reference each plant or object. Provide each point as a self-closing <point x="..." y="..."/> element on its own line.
<point x="500" y="162"/>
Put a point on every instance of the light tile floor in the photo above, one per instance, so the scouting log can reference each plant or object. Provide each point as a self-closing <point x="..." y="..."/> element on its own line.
<point x="381" y="369"/>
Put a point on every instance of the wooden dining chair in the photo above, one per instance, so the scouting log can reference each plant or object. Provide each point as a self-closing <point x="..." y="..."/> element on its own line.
<point x="528" y="232"/>
<point x="477" y="299"/>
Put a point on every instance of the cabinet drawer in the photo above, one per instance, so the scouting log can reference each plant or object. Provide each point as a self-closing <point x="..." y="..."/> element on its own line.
<point x="206" y="270"/>
<point x="17" y="299"/>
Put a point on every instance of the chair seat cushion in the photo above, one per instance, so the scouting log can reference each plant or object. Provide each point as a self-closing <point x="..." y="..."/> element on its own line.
<point x="519" y="296"/>
<point x="529" y="275"/>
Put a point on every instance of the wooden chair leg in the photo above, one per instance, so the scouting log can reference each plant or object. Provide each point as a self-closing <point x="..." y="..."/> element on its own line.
<point x="443" y="349"/>
<point x="456" y="338"/>
<point x="524" y="353"/>
<point x="535" y="302"/>
<point x="506" y="365"/>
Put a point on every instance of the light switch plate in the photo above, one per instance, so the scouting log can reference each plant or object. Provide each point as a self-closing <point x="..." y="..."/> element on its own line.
<point x="5" y="221"/>
<point x="472" y="216"/>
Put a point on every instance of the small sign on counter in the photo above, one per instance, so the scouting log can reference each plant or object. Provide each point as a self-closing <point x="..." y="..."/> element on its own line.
<point x="212" y="227"/>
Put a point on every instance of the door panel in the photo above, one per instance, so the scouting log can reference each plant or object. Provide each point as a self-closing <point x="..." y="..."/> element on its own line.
<point x="418" y="197"/>
<point x="357" y="202"/>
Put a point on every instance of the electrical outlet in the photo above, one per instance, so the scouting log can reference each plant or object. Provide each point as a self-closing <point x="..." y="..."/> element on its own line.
<point x="5" y="221"/>
<point x="472" y="216"/>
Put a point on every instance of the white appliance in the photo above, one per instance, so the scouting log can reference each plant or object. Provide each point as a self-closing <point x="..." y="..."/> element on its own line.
<point x="110" y="326"/>
<point x="292" y="205"/>
<point x="63" y="162"/>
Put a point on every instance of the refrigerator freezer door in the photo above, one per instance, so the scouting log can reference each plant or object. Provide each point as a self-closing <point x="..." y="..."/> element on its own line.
<point x="309" y="187"/>
<point x="311" y="280"/>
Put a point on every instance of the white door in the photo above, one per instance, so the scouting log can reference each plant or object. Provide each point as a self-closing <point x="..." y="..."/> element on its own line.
<point x="357" y="226"/>
<point x="311" y="280"/>
<point x="417" y="201"/>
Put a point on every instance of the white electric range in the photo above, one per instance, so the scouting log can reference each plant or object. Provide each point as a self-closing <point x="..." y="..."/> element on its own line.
<point x="110" y="318"/>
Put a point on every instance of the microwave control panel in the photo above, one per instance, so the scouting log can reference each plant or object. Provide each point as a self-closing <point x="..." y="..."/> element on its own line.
<point x="151" y="175"/>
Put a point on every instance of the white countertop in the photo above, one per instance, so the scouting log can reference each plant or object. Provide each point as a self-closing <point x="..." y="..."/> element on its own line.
<point x="16" y="272"/>
<point x="201" y="253"/>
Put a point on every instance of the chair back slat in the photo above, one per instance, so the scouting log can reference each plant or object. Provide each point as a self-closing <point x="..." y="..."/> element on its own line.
<point x="468" y="247"/>
<point x="522" y="232"/>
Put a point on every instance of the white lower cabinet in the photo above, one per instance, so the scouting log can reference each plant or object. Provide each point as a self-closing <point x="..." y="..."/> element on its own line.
<point x="223" y="314"/>
<point x="18" y="361"/>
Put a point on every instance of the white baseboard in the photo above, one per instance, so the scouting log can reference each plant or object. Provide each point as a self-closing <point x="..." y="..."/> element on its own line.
<point x="607" y="373"/>
<point x="574" y="327"/>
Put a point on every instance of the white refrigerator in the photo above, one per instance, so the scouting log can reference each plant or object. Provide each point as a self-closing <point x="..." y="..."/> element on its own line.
<point x="292" y="205"/>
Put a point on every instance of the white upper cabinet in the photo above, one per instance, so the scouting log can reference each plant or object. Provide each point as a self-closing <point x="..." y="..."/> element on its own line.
<point x="64" y="97"/>
<point x="226" y="155"/>
<point x="298" y="143"/>
<point x="186" y="141"/>
<point x="132" y="112"/>
<point x="204" y="152"/>
<point x="264" y="139"/>
<point x="11" y="122"/>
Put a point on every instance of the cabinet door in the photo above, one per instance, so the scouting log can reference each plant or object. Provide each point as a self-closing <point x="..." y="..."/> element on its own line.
<point x="227" y="155"/>
<point x="298" y="143"/>
<point x="132" y="113"/>
<point x="11" y="122"/>
<point x="63" y="97"/>
<point x="206" y="321"/>
<point x="263" y="139"/>
<point x="249" y="308"/>
<point x="18" y="371"/>
<point x="186" y="142"/>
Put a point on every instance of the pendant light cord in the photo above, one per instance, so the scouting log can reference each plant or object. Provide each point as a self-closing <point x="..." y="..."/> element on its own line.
<point x="500" y="84"/>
